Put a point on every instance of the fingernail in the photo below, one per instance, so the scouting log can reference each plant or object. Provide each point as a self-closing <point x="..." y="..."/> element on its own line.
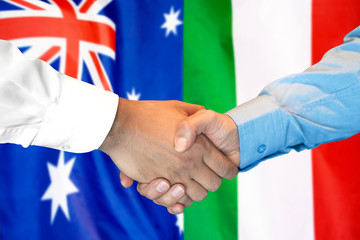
<point x="177" y="192"/>
<point x="162" y="187"/>
<point x="180" y="144"/>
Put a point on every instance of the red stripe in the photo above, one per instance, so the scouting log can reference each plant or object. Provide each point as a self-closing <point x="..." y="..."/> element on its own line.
<point x="50" y="54"/>
<point x="27" y="5"/>
<point x="86" y="6"/>
<point x="100" y="70"/>
<point x="336" y="166"/>
<point x="69" y="27"/>
<point x="27" y="27"/>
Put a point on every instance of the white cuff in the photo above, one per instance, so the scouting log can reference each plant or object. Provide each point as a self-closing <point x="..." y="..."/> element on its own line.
<point x="81" y="120"/>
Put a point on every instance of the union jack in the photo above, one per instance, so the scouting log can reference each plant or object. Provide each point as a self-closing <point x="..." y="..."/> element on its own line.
<point x="57" y="29"/>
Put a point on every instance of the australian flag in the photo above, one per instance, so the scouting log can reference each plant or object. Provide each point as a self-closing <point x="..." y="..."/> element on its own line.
<point x="130" y="47"/>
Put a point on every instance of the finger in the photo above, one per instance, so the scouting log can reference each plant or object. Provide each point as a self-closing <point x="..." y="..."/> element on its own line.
<point x="126" y="182"/>
<point x="217" y="161"/>
<point x="185" y="201"/>
<point x="171" y="197"/>
<point x="155" y="189"/>
<point x="191" y="127"/>
<point x="207" y="178"/>
<point x="176" y="209"/>
<point x="195" y="191"/>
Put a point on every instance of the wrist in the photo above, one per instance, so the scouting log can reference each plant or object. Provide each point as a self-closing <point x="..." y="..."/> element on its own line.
<point x="112" y="138"/>
<point x="233" y="139"/>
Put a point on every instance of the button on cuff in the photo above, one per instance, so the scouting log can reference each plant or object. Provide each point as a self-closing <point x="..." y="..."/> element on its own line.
<point x="261" y="148"/>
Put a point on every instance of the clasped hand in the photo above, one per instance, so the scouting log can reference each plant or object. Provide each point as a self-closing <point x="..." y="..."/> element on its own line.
<point x="175" y="150"/>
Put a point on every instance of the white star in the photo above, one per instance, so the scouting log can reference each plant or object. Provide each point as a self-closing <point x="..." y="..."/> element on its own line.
<point x="60" y="186"/>
<point x="180" y="223"/>
<point x="133" y="95"/>
<point x="171" y="21"/>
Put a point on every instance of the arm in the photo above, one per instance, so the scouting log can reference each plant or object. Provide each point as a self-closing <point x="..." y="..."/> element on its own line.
<point x="43" y="107"/>
<point x="304" y="110"/>
<point x="297" y="112"/>
<point x="40" y="106"/>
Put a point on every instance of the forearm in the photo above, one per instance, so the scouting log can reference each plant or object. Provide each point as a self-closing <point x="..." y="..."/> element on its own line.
<point x="40" y="106"/>
<point x="304" y="110"/>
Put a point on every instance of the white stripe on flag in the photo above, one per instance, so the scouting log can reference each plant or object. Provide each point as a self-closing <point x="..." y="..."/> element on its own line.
<point x="273" y="39"/>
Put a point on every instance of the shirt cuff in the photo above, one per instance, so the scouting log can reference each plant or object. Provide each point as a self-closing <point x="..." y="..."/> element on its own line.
<point x="261" y="130"/>
<point x="81" y="120"/>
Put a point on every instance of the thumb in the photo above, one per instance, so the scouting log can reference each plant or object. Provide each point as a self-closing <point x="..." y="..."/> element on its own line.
<point x="189" y="128"/>
<point x="125" y="180"/>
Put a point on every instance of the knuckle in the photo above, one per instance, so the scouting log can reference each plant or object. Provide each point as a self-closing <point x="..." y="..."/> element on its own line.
<point x="203" y="196"/>
<point x="210" y="113"/>
<point x="189" y="203"/>
<point x="186" y="163"/>
<point x="215" y="185"/>
<point x="148" y="190"/>
<point x="185" y="124"/>
<point x="150" y="195"/>
<point x="234" y="173"/>
<point x="231" y="173"/>
<point x="202" y="111"/>
<point x="186" y="201"/>
<point x="224" y="170"/>
<point x="200" y="196"/>
<point x="186" y="128"/>
<point x="146" y="193"/>
<point x="166" y="201"/>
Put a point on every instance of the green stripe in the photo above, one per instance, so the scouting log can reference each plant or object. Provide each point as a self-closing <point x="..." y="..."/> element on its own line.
<point x="209" y="80"/>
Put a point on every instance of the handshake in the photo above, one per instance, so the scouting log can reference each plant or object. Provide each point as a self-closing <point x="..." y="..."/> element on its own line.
<point x="175" y="150"/>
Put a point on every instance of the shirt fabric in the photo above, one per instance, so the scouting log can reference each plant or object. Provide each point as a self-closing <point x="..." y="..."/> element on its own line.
<point x="40" y="106"/>
<point x="304" y="110"/>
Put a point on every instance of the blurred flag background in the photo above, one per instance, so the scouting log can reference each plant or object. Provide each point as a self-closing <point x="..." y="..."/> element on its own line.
<point x="130" y="47"/>
<point x="201" y="51"/>
<point x="134" y="48"/>
<point x="307" y="195"/>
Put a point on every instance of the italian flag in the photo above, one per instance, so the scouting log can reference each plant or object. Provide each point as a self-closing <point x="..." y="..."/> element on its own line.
<point x="232" y="49"/>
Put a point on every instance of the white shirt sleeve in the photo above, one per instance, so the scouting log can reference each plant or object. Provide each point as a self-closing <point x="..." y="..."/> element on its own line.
<point x="40" y="106"/>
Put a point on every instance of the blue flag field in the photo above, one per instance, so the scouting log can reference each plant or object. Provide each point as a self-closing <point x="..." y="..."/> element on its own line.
<point x="133" y="48"/>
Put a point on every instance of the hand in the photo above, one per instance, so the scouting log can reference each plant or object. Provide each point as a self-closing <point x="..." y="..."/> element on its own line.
<point x="140" y="143"/>
<point x="219" y="128"/>
<point x="159" y="191"/>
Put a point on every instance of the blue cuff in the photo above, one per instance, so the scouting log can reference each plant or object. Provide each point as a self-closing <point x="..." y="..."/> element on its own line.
<point x="261" y="130"/>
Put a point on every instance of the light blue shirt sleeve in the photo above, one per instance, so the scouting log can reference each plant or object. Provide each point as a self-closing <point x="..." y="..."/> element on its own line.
<point x="304" y="110"/>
